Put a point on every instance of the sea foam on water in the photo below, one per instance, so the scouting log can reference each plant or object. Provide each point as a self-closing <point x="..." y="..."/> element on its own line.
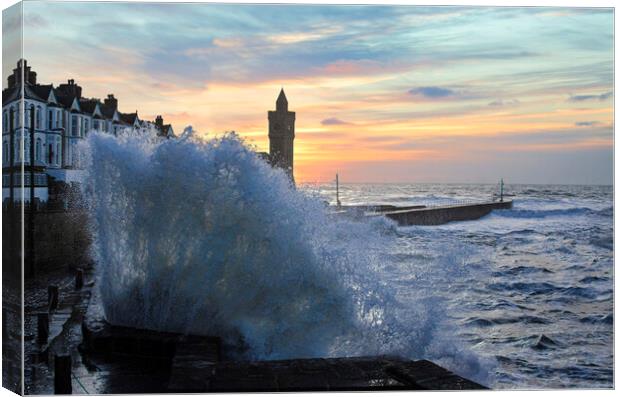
<point x="204" y="237"/>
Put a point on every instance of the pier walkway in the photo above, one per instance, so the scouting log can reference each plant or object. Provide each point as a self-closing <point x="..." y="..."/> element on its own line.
<point x="124" y="360"/>
<point x="445" y="213"/>
<point x="425" y="215"/>
<point x="129" y="360"/>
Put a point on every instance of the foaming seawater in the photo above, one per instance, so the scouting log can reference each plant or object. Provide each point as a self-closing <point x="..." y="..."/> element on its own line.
<point x="204" y="237"/>
<point x="531" y="287"/>
<point x="522" y="213"/>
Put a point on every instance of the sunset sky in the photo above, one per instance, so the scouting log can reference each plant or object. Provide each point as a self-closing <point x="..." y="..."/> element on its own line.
<point x="382" y="94"/>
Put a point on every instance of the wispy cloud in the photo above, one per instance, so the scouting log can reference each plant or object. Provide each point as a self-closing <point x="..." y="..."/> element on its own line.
<point x="33" y="20"/>
<point x="504" y="102"/>
<point x="433" y="92"/>
<point x="589" y="97"/>
<point x="381" y="138"/>
<point x="587" y="123"/>
<point x="333" y="121"/>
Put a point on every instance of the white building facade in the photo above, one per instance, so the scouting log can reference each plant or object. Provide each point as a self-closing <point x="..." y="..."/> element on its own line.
<point x="62" y="118"/>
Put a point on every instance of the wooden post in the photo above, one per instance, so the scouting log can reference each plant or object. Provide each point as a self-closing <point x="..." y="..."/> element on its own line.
<point x="337" y="191"/>
<point x="43" y="328"/>
<point x="79" y="279"/>
<point x="501" y="191"/>
<point x="52" y="297"/>
<point x="62" y="375"/>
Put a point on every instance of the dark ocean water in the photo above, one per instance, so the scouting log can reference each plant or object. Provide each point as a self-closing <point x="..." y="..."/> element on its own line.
<point x="528" y="289"/>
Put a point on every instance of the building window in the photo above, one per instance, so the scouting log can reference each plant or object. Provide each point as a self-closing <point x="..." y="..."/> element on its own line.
<point x="5" y="152"/>
<point x="38" y="116"/>
<point x="57" y="154"/>
<point x="50" y="121"/>
<point x="26" y="115"/>
<point x="5" y="121"/>
<point x="24" y="151"/>
<point x="37" y="152"/>
<point x="86" y="127"/>
<point x="58" y="119"/>
<point x="74" y="126"/>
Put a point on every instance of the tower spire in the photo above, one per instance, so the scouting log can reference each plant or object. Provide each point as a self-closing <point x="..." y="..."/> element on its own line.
<point x="282" y="102"/>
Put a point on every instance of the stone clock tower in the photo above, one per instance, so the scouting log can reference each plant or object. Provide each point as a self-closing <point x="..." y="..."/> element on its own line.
<point x="281" y="135"/>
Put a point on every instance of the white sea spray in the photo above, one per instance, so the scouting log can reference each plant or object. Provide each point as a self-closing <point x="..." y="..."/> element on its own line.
<point x="204" y="237"/>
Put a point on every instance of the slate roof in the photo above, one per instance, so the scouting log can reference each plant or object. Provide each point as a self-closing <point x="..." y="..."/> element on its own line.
<point x="129" y="118"/>
<point x="106" y="111"/>
<point x="12" y="94"/>
<point x="166" y="130"/>
<point x="43" y="91"/>
<point x="88" y="105"/>
<point x="65" y="100"/>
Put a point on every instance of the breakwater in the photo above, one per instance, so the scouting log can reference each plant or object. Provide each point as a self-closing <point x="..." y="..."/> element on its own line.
<point x="445" y="213"/>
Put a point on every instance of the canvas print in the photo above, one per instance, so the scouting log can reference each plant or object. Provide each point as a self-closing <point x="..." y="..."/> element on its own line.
<point x="209" y="197"/>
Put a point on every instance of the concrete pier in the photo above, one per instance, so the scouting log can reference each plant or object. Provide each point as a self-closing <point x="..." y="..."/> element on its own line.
<point x="124" y="360"/>
<point x="377" y="373"/>
<point x="444" y="214"/>
<point x="193" y="364"/>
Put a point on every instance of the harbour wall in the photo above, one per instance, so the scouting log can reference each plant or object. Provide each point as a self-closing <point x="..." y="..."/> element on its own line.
<point x="444" y="214"/>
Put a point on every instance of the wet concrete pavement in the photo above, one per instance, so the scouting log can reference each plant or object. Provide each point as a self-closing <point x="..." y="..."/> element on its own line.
<point x="109" y="359"/>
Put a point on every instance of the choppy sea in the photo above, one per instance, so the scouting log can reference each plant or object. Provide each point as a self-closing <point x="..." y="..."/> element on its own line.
<point x="530" y="289"/>
<point x="522" y="298"/>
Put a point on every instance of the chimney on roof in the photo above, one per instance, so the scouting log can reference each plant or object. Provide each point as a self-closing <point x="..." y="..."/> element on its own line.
<point x="111" y="102"/>
<point x="22" y="69"/>
<point x="159" y="121"/>
<point x="71" y="89"/>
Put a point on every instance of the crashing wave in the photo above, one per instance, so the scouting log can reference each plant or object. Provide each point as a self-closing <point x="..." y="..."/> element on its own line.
<point x="203" y="237"/>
